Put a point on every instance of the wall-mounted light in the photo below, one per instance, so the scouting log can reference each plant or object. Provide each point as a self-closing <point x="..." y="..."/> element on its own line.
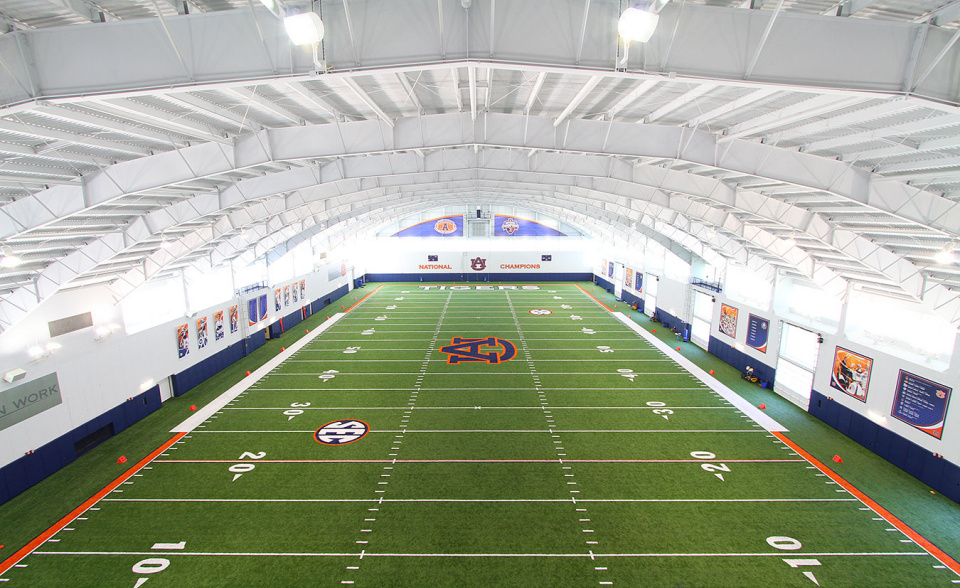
<point x="14" y="375"/>
<point x="38" y="352"/>
<point x="103" y="331"/>
<point x="147" y="384"/>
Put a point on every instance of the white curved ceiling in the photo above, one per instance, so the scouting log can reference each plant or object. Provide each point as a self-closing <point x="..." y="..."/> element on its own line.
<point x="824" y="147"/>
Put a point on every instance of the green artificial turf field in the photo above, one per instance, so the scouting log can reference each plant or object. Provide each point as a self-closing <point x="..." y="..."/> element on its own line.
<point x="472" y="442"/>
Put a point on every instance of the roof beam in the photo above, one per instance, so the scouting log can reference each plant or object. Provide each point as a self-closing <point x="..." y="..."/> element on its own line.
<point x="811" y="107"/>
<point x="65" y="114"/>
<point x="581" y="95"/>
<point x="944" y="15"/>
<point x="631" y="97"/>
<point x="680" y="101"/>
<point x="308" y="99"/>
<point x="534" y="92"/>
<point x="20" y="128"/>
<point x="408" y="88"/>
<point x="366" y="99"/>
<point x="264" y="104"/>
<point x="927" y="124"/>
<point x="124" y="108"/>
<point x="740" y="102"/>
<point x="234" y="122"/>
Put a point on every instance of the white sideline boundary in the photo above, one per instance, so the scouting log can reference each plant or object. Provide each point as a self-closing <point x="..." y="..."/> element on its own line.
<point x="729" y="395"/>
<point x="243" y="385"/>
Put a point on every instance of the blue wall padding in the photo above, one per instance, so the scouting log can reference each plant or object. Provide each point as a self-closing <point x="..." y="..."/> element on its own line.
<point x="202" y="370"/>
<point x="941" y="475"/>
<point x="603" y="283"/>
<point x="30" y="469"/>
<point x="740" y="360"/>
<point x="275" y="329"/>
<point x="632" y="299"/>
<point x="293" y="319"/>
<point x="317" y="305"/>
<point x="254" y="341"/>
<point x="671" y="322"/>
<point x="484" y="277"/>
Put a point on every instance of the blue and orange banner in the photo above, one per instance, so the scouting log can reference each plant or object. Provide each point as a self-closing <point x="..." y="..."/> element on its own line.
<point x="758" y="332"/>
<point x="921" y="403"/>
<point x="445" y="226"/>
<point x="514" y="226"/>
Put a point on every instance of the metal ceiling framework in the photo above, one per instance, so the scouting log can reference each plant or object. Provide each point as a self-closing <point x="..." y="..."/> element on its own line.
<point x="169" y="135"/>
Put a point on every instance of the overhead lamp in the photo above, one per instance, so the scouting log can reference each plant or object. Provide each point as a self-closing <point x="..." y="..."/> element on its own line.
<point x="306" y="28"/>
<point x="38" y="352"/>
<point x="790" y="241"/>
<point x="945" y="256"/>
<point x="104" y="331"/>
<point x="638" y="22"/>
<point x="10" y="261"/>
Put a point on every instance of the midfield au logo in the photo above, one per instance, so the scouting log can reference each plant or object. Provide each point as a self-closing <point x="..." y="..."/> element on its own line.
<point x="463" y="350"/>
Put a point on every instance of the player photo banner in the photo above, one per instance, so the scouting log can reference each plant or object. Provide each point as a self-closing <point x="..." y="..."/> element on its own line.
<point x="728" y="320"/>
<point x="628" y="278"/>
<point x="235" y="317"/>
<point x="921" y="403"/>
<point x="851" y="373"/>
<point x="639" y="283"/>
<point x="303" y="290"/>
<point x="286" y="296"/>
<point x="758" y="332"/>
<point x="252" y="311"/>
<point x="202" y="333"/>
<point x="218" y="326"/>
<point x="263" y="306"/>
<point x="603" y="267"/>
<point x="183" y="340"/>
<point x="296" y="293"/>
<point x="276" y="299"/>
<point x="610" y="270"/>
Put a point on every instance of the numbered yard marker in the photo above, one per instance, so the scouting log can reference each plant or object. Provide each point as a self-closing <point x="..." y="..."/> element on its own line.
<point x="382" y="317"/>
<point x="540" y="311"/>
<point x="566" y="307"/>
<point x="290" y="414"/>
<point x="351" y="350"/>
<point x="392" y="307"/>
<point x="243" y="468"/>
<point x="604" y="349"/>
<point x="328" y="375"/>
<point x="576" y="317"/>
<point x="713" y="467"/>
<point x="628" y="374"/>
<point x="341" y="432"/>
<point x="658" y="409"/>
<point x="368" y="332"/>
<point x="587" y="331"/>
<point x="558" y="297"/>
<point x="399" y="298"/>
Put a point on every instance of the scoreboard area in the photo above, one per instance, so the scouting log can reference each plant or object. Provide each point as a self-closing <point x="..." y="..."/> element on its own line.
<point x="480" y="435"/>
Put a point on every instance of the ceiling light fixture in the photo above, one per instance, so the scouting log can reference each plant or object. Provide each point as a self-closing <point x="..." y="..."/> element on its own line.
<point x="306" y="29"/>
<point x="10" y="260"/>
<point x="637" y="24"/>
<point x="945" y="256"/>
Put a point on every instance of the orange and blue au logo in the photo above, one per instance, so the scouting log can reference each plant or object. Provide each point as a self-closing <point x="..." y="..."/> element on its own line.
<point x="489" y="350"/>
<point x="445" y="226"/>
<point x="478" y="264"/>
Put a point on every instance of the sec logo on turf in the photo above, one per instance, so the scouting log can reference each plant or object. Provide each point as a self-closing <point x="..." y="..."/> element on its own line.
<point x="341" y="432"/>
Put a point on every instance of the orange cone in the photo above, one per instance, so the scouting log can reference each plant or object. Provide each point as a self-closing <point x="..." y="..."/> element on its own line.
<point x="306" y="330"/>
<point x="193" y="407"/>
<point x="123" y="459"/>
<point x="248" y="373"/>
<point x="283" y="349"/>
<point x="678" y="349"/>
<point x="341" y="308"/>
<point x="763" y="406"/>
<point x="654" y="330"/>
<point x="711" y="372"/>
<point x="837" y="459"/>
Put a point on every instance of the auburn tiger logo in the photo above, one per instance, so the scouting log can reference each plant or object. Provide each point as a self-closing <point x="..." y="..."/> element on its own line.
<point x="445" y="226"/>
<point x="510" y="226"/>
<point x="478" y="264"/>
<point x="463" y="350"/>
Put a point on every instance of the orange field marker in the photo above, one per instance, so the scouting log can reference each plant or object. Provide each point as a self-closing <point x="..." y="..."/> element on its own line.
<point x="594" y="297"/>
<point x="42" y="537"/>
<point x="364" y="298"/>
<point x="903" y="527"/>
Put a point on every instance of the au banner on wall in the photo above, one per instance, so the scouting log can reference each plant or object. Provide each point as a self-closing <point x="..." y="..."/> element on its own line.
<point x="263" y="306"/>
<point x="851" y="373"/>
<point x="252" y="313"/>
<point x="921" y="403"/>
<point x="639" y="282"/>
<point x="183" y="340"/>
<point x="445" y="226"/>
<point x="610" y="269"/>
<point x="758" y="332"/>
<point x="728" y="320"/>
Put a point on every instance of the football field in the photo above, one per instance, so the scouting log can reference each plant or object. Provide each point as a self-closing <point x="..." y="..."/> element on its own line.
<point x="480" y="435"/>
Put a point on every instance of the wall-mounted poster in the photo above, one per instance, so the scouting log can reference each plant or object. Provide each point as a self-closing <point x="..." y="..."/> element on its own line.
<point x="183" y="340"/>
<point x="234" y="318"/>
<point x="303" y="290"/>
<point x="218" y="326"/>
<point x="921" y="403"/>
<point x="296" y="293"/>
<point x="628" y="278"/>
<point x="728" y="320"/>
<point x="603" y="267"/>
<point x="252" y="312"/>
<point x="851" y="373"/>
<point x="286" y="296"/>
<point x="263" y="306"/>
<point x="610" y="269"/>
<point x="758" y="332"/>
<point x="639" y="283"/>
<point x="202" y="333"/>
<point x="276" y="299"/>
<point x="445" y="226"/>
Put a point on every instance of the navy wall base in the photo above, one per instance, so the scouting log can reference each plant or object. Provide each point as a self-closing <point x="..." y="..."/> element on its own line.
<point x="30" y="469"/>
<point x="671" y="322"/>
<point x="482" y="277"/>
<point x="740" y="360"/>
<point x="632" y="299"/>
<point x="941" y="475"/>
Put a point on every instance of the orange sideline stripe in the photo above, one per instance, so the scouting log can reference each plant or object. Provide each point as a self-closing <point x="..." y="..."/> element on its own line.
<point x="903" y="527"/>
<point x="594" y="297"/>
<point x="364" y="298"/>
<point x="40" y="539"/>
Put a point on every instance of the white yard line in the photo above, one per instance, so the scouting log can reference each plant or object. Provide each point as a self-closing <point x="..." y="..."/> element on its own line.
<point x="732" y="397"/>
<point x="483" y="555"/>
<point x="482" y="500"/>
<point x="243" y="385"/>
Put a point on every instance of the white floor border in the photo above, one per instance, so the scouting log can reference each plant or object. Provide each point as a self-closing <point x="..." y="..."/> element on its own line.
<point x="240" y="387"/>
<point x="732" y="397"/>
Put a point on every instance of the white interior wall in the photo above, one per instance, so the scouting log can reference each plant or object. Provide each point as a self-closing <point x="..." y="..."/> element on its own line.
<point x="96" y="376"/>
<point x="454" y="255"/>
